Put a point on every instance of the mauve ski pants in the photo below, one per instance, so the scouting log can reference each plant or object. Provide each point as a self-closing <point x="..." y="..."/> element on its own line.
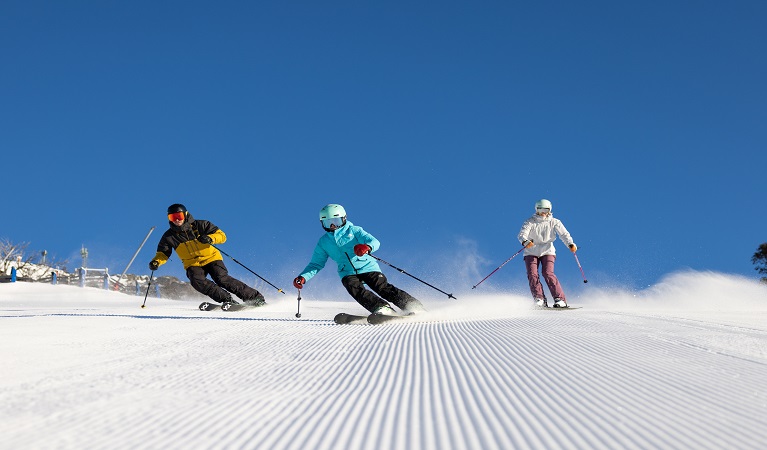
<point x="547" y="269"/>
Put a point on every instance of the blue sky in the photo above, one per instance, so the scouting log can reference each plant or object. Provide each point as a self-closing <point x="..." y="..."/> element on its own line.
<point x="436" y="124"/>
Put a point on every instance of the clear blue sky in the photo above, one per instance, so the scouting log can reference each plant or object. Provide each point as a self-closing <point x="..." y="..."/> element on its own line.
<point x="436" y="124"/>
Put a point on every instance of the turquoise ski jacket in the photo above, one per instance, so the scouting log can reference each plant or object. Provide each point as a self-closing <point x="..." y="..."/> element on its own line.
<point x="339" y="246"/>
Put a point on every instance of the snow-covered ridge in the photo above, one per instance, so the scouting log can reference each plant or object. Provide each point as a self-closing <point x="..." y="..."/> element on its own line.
<point x="679" y="365"/>
<point x="166" y="286"/>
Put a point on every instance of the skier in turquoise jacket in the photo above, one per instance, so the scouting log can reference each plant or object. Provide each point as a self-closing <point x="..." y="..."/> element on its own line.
<point x="350" y="247"/>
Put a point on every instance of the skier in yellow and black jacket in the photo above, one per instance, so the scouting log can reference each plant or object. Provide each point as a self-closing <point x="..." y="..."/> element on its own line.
<point x="192" y="241"/>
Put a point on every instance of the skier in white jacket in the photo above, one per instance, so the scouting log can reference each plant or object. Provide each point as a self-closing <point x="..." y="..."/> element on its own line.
<point x="537" y="235"/>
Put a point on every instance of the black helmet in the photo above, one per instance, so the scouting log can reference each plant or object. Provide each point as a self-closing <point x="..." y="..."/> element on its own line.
<point x="176" y="207"/>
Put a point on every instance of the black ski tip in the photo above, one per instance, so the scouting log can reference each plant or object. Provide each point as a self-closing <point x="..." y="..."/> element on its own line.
<point x="340" y="318"/>
<point x="343" y="318"/>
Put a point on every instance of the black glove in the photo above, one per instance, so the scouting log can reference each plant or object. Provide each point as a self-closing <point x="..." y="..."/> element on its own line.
<point x="298" y="282"/>
<point x="205" y="239"/>
<point x="154" y="265"/>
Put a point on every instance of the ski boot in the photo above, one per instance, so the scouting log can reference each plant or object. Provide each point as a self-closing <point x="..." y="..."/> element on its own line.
<point x="258" y="301"/>
<point x="413" y="307"/>
<point x="385" y="310"/>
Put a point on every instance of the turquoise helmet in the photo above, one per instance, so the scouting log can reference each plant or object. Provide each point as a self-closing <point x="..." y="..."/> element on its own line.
<point x="332" y="214"/>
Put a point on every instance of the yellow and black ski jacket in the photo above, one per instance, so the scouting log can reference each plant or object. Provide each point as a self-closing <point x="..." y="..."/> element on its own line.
<point x="183" y="239"/>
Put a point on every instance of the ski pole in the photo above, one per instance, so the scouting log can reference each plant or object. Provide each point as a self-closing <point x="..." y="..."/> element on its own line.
<point x="298" y="314"/>
<point x="143" y="305"/>
<point x="246" y="268"/>
<point x="117" y="283"/>
<point x="579" y="266"/>
<point x="496" y="269"/>
<point x="411" y="276"/>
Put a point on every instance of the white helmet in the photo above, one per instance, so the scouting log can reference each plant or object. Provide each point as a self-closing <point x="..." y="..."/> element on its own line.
<point x="542" y="204"/>
<point x="332" y="214"/>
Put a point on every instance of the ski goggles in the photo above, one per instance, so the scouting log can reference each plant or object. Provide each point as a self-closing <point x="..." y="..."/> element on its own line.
<point x="543" y="210"/>
<point x="337" y="221"/>
<point x="176" y="216"/>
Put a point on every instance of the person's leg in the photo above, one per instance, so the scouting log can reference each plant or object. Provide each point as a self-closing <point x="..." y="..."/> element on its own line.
<point x="200" y="282"/>
<point x="217" y="271"/>
<point x="381" y="286"/>
<point x="364" y="297"/>
<point x="531" y="265"/>
<point x="547" y="269"/>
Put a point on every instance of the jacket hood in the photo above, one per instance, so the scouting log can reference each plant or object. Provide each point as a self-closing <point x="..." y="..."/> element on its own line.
<point x="343" y="235"/>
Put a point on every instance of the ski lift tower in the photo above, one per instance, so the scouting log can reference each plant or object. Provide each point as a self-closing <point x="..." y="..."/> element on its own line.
<point x="84" y="254"/>
<point x="44" y="253"/>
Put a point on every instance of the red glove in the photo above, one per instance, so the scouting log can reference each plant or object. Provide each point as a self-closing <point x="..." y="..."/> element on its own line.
<point x="361" y="249"/>
<point x="299" y="282"/>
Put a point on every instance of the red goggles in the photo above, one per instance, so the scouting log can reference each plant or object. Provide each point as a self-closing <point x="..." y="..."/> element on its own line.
<point x="176" y="216"/>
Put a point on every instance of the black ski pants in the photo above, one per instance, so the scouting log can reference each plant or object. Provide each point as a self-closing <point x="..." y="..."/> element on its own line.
<point x="221" y="279"/>
<point x="378" y="284"/>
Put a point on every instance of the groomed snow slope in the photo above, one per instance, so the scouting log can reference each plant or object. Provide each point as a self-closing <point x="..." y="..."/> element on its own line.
<point x="680" y="365"/>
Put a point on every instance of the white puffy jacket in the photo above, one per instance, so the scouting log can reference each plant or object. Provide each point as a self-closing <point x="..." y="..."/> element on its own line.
<point x="543" y="231"/>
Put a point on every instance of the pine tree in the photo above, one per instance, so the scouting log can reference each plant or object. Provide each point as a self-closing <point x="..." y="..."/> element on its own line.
<point x="760" y="260"/>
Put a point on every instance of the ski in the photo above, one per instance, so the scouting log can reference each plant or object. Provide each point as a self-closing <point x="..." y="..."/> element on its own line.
<point x="231" y="307"/>
<point x="562" y="309"/>
<point x="207" y="306"/>
<point x="343" y="319"/>
<point x="377" y="319"/>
